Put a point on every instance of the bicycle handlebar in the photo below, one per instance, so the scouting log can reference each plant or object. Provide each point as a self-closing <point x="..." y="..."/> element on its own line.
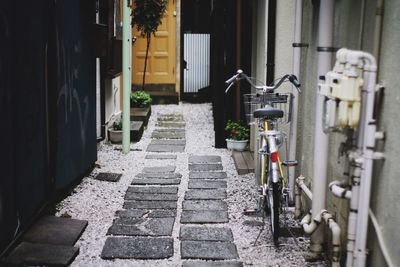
<point x="266" y="89"/>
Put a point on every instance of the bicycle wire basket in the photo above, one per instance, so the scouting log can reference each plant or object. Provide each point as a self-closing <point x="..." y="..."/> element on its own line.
<point x="251" y="103"/>
<point x="282" y="101"/>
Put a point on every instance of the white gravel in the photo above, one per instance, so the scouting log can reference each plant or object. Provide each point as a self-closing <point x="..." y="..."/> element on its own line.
<point x="97" y="201"/>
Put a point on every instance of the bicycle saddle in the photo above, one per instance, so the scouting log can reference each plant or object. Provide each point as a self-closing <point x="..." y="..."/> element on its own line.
<point x="268" y="113"/>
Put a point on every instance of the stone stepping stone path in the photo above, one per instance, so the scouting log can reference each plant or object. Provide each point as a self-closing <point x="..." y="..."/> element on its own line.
<point x="170" y="137"/>
<point x="144" y="228"/>
<point x="204" y="203"/>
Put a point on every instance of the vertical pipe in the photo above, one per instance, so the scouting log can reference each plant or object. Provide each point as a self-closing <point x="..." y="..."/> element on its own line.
<point x="126" y="72"/>
<point x="238" y="51"/>
<point x="296" y="71"/>
<point x="325" y="32"/>
<point x="271" y="33"/>
<point x="368" y="157"/>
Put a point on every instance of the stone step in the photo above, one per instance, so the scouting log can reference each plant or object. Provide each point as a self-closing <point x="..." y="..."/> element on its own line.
<point x="164" y="97"/>
<point x="141" y="114"/>
<point x="137" y="128"/>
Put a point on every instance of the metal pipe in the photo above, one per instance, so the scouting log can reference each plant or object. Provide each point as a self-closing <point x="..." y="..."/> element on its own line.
<point x="295" y="71"/>
<point x="126" y="74"/>
<point x="325" y="50"/>
<point x="297" y="202"/>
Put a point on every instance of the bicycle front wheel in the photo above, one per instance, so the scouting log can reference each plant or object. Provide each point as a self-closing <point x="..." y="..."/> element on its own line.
<point x="274" y="205"/>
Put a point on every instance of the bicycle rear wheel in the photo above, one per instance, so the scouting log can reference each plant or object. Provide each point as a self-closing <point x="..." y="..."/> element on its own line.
<point x="274" y="205"/>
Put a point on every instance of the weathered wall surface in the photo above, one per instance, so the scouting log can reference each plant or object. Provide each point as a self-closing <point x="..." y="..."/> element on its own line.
<point x="354" y="33"/>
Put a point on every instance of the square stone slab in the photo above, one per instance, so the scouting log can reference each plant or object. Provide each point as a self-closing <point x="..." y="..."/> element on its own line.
<point x="150" y="205"/>
<point x="206" y="234"/>
<point x="206" y="184"/>
<point x="153" y="197"/>
<point x="170" y="124"/>
<point x="204" y="216"/>
<point x="160" y="157"/>
<point x="205" y="167"/>
<point x="108" y="176"/>
<point x="205" y="194"/>
<point x="170" y="115"/>
<point x="157" y="134"/>
<point x="197" y="205"/>
<point x="34" y="254"/>
<point x="139" y="213"/>
<point x="169" y="175"/>
<point x="208" y="250"/>
<point x="161" y="169"/>
<point x="165" y="148"/>
<point x="212" y="264"/>
<point x="55" y="230"/>
<point x="207" y="175"/>
<point x="138" y="248"/>
<point x="142" y="227"/>
<point x="153" y="190"/>
<point x="168" y="142"/>
<point x="194" y="159"/>
<point x="156" y="181"/>
<point x="132" y="213"/>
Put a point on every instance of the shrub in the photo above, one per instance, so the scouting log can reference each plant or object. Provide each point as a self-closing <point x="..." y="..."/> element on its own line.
<point x="237" y="130"/>
<point x="117" y="125"/>
<point x="140" y="99"/>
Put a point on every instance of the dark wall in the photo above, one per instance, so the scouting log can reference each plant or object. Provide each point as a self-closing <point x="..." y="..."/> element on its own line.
<point x="47" y="95"/>
<point x="76" y="93"/>
<point x="224" y="61"/>
<point x="8" y="213"/>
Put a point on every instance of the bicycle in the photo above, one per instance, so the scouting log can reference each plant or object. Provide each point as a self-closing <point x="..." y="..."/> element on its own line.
<point x="272" y="185"/>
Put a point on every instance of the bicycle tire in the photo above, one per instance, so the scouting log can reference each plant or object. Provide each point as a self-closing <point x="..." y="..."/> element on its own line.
<point x="274" y="205"/>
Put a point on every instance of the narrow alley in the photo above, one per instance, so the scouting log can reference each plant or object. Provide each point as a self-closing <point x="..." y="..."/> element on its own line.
<point x="179" y="202"/>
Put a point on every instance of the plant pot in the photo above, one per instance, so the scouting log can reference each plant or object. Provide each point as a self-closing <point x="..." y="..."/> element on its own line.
<point x="140" y="114"/>
<point x="237" y="145"/>
<point x="115" y="136"/>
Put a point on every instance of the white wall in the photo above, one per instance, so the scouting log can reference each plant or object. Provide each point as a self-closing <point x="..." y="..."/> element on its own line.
<point x="112" y="95"/>
<point x="284" y="40"/>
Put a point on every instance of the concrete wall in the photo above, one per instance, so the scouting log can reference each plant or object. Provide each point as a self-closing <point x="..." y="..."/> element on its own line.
<point x="353" y="32"/>
<point x="112" y="95"/>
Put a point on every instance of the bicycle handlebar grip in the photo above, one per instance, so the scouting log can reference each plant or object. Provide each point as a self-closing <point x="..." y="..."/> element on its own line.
<point x="294" y="81"/>
<point x="231" y="79"/>
<point x="234" y="77"/>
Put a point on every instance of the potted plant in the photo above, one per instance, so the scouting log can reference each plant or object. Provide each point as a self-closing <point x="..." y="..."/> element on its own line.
<point x="238" y="135"/>
<point x="140" y="106"/>
<point x="115" y="132"/>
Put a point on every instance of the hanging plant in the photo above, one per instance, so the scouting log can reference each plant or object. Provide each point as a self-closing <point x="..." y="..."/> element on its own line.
<point x="147" y="16"/>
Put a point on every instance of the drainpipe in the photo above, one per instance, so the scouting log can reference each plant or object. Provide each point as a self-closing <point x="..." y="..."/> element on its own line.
<point x="310" y="226"/>
<point x="271" y="38"/>
<point x="297" y="45"/>
<point x="378" y="29"/>
<point x="370" y="135"/>
<point x="126" y="74"/>
<point x="325" y="50"/>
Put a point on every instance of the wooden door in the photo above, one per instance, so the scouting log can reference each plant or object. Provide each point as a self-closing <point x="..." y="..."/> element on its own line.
<point x="161" y="60"/>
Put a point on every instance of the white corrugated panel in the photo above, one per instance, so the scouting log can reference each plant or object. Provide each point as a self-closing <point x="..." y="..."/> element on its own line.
<point x="196" y="53"/>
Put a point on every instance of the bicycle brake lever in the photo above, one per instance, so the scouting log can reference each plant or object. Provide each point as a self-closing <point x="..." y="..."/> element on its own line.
<point x="295" y="82"/>
<point x="229" y="87"/>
